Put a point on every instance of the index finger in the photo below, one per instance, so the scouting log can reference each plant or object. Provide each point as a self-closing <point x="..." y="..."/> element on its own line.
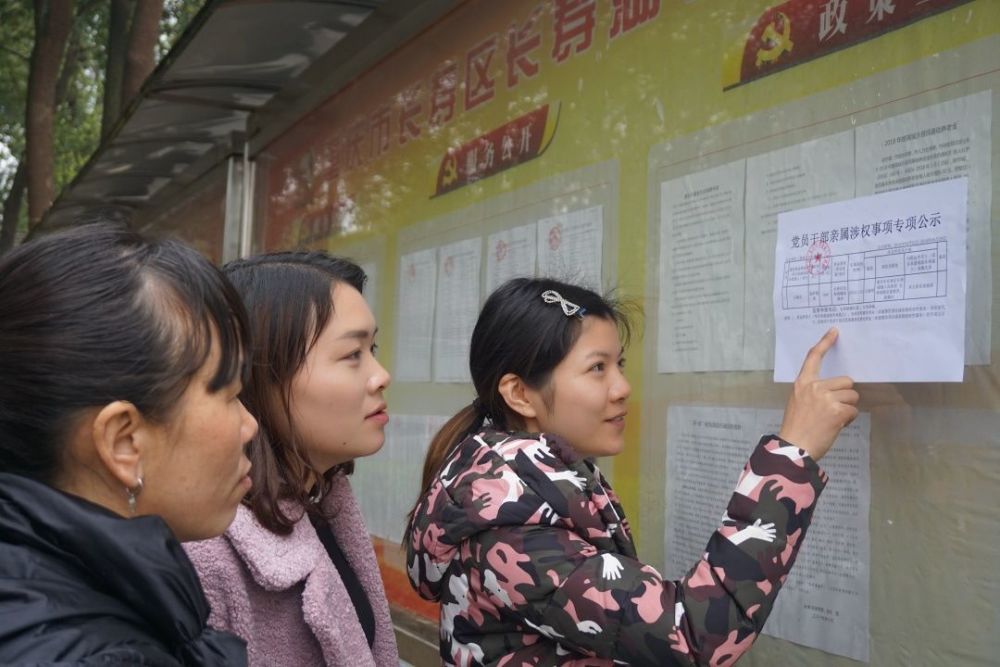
<point x="814" y="359"/>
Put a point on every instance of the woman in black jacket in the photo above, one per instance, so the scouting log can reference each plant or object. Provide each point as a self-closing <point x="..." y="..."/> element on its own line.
<point x="121" y="434"/>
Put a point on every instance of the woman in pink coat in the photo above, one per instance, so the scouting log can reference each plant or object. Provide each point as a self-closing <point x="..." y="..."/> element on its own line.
<point x="295" y="574"/>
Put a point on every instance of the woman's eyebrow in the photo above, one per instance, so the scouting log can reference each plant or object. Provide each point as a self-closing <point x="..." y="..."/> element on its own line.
<point x="605" y="355"/>
<point x="361" y="334"/>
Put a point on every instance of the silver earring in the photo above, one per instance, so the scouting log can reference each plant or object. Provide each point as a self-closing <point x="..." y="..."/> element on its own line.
<point x="133" y="492"/>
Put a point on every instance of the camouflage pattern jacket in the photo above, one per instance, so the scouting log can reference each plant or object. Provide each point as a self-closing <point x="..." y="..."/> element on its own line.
<point x="528" y="551"/>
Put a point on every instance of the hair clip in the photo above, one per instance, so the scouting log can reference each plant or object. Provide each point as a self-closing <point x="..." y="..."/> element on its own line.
<point x="568" y="307"/>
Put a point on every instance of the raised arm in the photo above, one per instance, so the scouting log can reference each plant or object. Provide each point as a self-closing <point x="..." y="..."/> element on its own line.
<point x="614" y="607"/>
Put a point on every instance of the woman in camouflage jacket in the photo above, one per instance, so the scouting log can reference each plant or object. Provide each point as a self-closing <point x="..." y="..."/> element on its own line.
<point x="525" y="544"/>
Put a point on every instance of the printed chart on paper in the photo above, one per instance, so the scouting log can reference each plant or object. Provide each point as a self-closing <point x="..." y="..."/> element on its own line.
<point x="908" y="273"/>
<point x="889" y="271"/>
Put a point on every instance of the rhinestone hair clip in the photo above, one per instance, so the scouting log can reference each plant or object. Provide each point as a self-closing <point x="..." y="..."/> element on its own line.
<point x="568" y="307"/>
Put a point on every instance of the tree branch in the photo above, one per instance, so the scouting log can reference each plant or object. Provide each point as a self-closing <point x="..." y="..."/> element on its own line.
<point x="12" y="207"/>
<point x="53" y="20"/>
<point x="119" y="17"/>
<point x="23" y="56"/>
<point x="140" y="57"/>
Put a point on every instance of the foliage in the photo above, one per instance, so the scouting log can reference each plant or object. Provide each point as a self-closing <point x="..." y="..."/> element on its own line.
<point x="78" y="117"/>
<point x="16" y="37"/>
<point x="177" y="14"/>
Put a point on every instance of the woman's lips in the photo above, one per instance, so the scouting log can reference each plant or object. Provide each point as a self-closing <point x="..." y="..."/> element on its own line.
<point x="379" y="416"/>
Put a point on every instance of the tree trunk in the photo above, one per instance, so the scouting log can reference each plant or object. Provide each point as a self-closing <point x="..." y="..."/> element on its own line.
<point x="65" y="93"/>
<point x="12" y="207"/>
<point x="140" y="58"/>
<point x="114" y="72"/>
<point x="53" y="20"/>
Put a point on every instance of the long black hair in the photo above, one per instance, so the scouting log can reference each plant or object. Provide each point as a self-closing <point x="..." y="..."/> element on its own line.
<point x="99" y="314"/>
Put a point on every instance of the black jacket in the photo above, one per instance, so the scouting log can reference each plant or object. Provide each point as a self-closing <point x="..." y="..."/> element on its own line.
<point x="80" y="585"/>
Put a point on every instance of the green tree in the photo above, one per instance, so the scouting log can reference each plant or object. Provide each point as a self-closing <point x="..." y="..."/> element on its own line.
<point x="107" y="52"/>
<point x="16" y="19"/>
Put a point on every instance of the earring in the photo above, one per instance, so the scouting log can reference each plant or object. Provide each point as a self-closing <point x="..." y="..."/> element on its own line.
<point x="132" y="493"/>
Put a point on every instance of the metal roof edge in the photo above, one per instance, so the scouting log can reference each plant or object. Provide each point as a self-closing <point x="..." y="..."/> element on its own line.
<point x="197" y="21"/>
<point x="389" y="28"/>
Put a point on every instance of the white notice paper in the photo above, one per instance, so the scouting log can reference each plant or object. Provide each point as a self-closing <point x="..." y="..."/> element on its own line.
<point x="938" y="143"/>
<point x="569" y="247"/>
<point x="510" y="254"/>
<point x="371" y="286"/>
<point x="701" y="271"/>
<point x="889" y="272"/>
<point x="414" y="328"/>
<point x="457" y="309"/>
<point x="824" y="602"/>
<point x="807" y="174"/>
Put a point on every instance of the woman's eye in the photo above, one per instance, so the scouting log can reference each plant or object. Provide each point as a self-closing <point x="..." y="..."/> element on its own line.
<point x="374" y="349"/>
<point x="598" y="367"/>
<point x="354" y="356"/>
<point x="621" y="363"/>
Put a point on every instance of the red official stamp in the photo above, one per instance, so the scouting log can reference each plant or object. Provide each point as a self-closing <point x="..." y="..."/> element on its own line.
<point x="818" y="258"/>
<point x="555" y="238"/>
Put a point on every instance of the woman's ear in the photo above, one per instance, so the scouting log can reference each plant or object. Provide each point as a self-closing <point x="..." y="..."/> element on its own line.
<point x="520" y="398"/>
<point x="119" y="434"/>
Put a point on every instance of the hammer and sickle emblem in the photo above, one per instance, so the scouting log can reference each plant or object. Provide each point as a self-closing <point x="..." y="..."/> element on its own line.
<point x="450" y="171"/>
<point x="775" y="43"/>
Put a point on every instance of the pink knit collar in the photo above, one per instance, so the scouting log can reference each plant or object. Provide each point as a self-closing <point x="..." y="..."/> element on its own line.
<point x="276" y="562"/>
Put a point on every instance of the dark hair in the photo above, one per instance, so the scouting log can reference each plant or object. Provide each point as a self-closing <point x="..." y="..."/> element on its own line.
<point x="288" y="298"/>
<point x="98" y="314"/>
<point x="518" y="332"/>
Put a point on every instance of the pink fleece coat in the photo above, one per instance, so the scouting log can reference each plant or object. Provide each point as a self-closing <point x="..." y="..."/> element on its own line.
<point x="284" y="596"/>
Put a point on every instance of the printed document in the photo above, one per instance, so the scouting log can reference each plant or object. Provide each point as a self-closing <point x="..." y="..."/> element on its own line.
<point x="457" y="308"/>
<point x="415" y="323"/>
<point x="824" y="602"/>
<point x="889" y="271"/>
<point x="510" y="254"/>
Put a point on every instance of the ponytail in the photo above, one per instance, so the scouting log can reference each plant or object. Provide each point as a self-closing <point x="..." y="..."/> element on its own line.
<point x="447" y="438"/>
<point x="467" y="420"/>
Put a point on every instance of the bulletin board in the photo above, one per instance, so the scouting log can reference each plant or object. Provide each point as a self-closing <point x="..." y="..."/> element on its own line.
<point x="370" y="254"/>
<point x="503" y="115"/>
